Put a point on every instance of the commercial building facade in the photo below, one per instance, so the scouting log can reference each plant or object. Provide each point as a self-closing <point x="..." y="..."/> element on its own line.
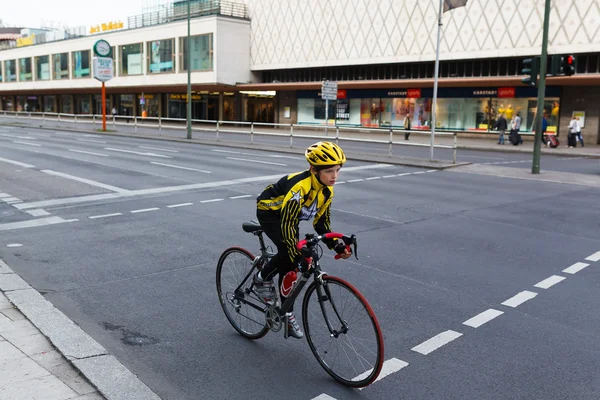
<point x="269" y="65"/>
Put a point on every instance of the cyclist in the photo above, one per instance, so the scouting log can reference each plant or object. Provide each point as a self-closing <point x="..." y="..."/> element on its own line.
<point x="280" y="208"/>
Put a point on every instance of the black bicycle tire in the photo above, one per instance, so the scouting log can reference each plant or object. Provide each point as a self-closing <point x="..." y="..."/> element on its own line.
<point x="222" y="258"/>
<point x="380" y="354"/>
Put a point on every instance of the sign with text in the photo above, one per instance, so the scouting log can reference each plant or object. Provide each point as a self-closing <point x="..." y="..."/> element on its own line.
<point x="329" y="90"/>
<point x="103" y="68"/>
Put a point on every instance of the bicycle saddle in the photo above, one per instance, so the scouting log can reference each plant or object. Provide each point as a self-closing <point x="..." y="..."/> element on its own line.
<point x="251" y="226"/>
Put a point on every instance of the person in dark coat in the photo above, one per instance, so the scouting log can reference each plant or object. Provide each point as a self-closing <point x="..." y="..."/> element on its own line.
<point x="501" y="126"/>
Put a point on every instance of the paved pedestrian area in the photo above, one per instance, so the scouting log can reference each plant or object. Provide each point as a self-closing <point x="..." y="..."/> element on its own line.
<point x="30" y="367"/>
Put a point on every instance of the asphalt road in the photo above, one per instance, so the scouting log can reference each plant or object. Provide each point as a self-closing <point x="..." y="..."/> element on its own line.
<point x="124" y="235"/>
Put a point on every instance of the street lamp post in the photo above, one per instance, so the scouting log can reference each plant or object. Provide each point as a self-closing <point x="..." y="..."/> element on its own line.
<point x="189" y="75"/>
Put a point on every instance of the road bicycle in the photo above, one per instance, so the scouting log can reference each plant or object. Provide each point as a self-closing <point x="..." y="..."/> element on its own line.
<point x="339" y="324"/>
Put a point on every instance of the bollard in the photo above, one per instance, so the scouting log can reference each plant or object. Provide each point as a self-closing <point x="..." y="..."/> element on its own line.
<point x="251" y="132"/>
<point x="291" y="135"/>
<point x="454" y="157"/>
<point x="217" y="131"/>
<point x="391" y="141"/>
<point x="159" y="124"/>
<point x="135" y="123"/>
<point x="337" y="134"/>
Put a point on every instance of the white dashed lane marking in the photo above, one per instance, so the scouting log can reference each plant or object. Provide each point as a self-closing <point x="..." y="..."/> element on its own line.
<point x="145" y="210"/>
<point x="137" y="152"/>
<point x="594" y="257"/>
<point x="158" y="149"/>
<point x="105" y="216"/>
<point x="483" y="318"/>
<point x="389" y="367"/>
<point x="20" y="164"/>
<point x="549" y="282"/>
<point x="88" y="152"/>
<point x="27" y="143"/>
<point x="180" y="205"/>
<point x="323" y="397"/>
<point x="519" y="299"/>
<point x="575" y="268"/>
<point x="436" y="342"/>
<point x="38" y="213"/>
<point x="211" y="201"/>
<point x="241" y="197"/>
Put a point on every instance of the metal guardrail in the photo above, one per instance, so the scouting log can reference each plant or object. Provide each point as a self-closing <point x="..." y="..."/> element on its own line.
<point x="291" y="131"/>
<point x="178" y="11"/>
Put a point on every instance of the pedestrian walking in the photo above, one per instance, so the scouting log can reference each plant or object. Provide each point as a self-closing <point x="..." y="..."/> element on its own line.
<point x="578" y="132"/>
<point x="501" y="126"/>
<point x="406" y="126"/>
<point x="572" y="135"/>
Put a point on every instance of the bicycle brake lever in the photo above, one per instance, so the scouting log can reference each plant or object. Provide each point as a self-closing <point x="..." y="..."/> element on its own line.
<point x="355" y="245"/>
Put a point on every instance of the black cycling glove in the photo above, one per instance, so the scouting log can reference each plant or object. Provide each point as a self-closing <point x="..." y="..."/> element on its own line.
<point x="340" y="247"/>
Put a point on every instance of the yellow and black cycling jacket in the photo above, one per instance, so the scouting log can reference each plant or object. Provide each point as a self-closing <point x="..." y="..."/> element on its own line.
<point x="294" y="198"/>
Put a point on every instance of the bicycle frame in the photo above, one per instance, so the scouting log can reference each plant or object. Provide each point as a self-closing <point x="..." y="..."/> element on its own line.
<point x="314" y="268"/>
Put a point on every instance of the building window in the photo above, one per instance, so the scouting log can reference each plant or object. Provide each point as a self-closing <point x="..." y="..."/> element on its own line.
<point x="25" y="74"/>
<point x="131" y="59"/>
<point x="160" y="54"/>
<point x="61" y="66"/>
<point x="81" y="64"/>
<point x="42" y="68"/>
<point x="10" y="71"/>
<point x="1" y="76"/>
<point x="202" y="53"/>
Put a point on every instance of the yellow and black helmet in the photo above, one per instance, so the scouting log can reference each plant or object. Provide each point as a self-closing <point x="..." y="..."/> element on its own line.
<point x="323" y="154"/>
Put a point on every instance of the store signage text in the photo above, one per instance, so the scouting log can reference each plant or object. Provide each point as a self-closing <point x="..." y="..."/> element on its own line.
<point x="506" y="93"/>
<point x="410" y="93"/>
<point x="111" y="26"/>
<point x="26" y="41"/>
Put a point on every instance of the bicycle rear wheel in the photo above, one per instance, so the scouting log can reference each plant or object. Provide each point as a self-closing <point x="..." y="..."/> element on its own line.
<point x="234" y="265"/>
<point x="353" y="353"/>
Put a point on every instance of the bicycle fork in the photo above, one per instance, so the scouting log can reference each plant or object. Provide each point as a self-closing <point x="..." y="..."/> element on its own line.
<point x="324" y="295"/>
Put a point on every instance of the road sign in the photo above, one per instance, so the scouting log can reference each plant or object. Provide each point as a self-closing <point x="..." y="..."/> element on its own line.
<point x="329" y="90"/>
<point x="103" y="68"/>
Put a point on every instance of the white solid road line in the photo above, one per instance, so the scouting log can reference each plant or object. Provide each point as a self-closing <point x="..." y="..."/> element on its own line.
<point x="18" y="137"/>
<point x="519" y="299"/>
<point x="180" y="205"/>
<point x="240" y="197"/>
<point x="575" y="268"/>
<point x="159" y="149"/>
<point x="180" y="167"/>
<point x="257" y="161"/>
<point x="483" y="318"/>
<point x="137" y="152"/>
<point x="372" y="178"/>
<point x="389" y="367"/>
<point x="27" y="143"/>
<point x="389" y="176"/>
<point x="549" y="282"/>
<point x="89" y="152"/>
<point x="404" y="174"/>
<point x="33" y="223"/>
<point x="88" y="181"/>
<point x="355" y="180"/>
<point x="105" y="216"/>
<point x="145" y="210"/>
<point x="436" y="342"/>
<point x="594" y="257"/>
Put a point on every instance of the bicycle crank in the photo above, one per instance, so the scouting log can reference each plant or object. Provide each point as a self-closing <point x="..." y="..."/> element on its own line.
<point x="274" y="321"/>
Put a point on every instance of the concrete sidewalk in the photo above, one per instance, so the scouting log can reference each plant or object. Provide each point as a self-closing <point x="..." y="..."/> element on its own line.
<point x="30" y="367"/>
<point x="45" y="356"/>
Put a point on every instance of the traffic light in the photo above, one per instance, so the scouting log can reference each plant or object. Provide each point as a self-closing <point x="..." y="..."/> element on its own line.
<point x="556" y="65"/>
<point x="569" y="65"/>
<point x="531" y="67"/>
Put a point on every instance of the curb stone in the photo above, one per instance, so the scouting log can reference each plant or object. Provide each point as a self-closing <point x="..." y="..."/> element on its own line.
<point x="112" y="379"/>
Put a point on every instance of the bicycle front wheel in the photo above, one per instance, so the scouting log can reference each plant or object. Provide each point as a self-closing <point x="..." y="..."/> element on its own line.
<point x="241" y="306"/>
<point x="350" y="347"/>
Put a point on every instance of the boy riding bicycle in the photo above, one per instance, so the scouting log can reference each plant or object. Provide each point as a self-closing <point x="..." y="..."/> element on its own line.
<point x="280" y="208"/>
